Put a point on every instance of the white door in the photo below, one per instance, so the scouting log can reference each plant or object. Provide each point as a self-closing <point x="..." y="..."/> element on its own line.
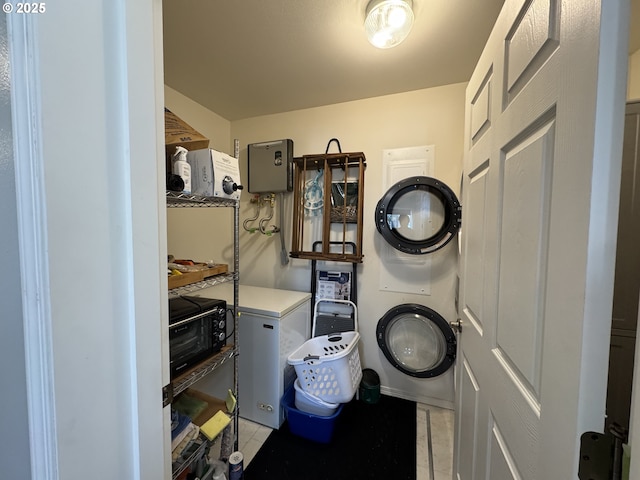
<point x="540" y="198"/>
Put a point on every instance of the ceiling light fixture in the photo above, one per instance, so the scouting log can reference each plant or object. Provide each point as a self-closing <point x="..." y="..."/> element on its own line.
<point x="388" y="22"/>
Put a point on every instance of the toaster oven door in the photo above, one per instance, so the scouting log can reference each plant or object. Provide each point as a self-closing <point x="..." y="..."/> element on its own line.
<point x="190" y="342"/>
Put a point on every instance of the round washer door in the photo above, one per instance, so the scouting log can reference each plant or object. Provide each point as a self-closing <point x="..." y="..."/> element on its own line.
<point x="417" y="340"/>
<point x="418" y="215"/>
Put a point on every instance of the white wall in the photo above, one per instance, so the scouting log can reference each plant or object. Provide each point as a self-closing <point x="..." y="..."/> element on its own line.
<point x="633" y="84"/>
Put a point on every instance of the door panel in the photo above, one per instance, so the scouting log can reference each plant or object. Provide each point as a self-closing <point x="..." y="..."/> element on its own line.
<point x="540" y="190"/>
<point x="525" y="227"/>
<point x="501" y="465"/>
<point x="469" y="409"/>
<point x="516" y="414"/>
<point x="530" y="42"/>
<point x="480" y="109"/>
<point x="475" y="247"/>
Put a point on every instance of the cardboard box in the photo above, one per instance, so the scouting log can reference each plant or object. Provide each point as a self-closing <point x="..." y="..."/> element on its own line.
<point x="214" y="405"/>
<point x="214" y="173"/>
<point x="178" y="133"/>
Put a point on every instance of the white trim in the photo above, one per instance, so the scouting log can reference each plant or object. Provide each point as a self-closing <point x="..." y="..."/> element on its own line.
<point x="32" y="234"/>
<point x="424" y="399"/>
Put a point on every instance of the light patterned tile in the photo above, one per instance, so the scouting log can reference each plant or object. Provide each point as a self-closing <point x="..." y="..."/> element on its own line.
<point x="441" y="420"/>
<point x="249" y="450"/>
<point x="422" y="473"/>
<point x="442" y="475"/>
<point x="262" y="433"/>
<point x="251" y="437"/>
<point x="246" y="429"/>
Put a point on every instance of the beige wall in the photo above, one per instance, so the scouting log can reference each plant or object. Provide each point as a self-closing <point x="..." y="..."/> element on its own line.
<point x="208" y="123"/>
<point x="195" y="233"/>
<point x="426" y="117"/>
<point x="633" y="84"/>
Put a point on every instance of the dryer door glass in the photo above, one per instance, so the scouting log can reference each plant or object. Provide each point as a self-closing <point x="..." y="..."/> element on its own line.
<point x="418" y="215"/>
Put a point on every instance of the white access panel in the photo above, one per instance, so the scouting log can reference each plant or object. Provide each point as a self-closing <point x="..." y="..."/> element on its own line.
<point x="401" y="272"/>
<point x="272" y="324"/>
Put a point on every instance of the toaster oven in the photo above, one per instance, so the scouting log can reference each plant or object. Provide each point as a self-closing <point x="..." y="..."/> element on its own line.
<point x="197" y="330"/>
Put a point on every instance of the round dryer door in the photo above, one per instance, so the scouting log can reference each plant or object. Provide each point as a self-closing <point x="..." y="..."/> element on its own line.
<point x="418" y="215"/>
<point x="417" y="340"/>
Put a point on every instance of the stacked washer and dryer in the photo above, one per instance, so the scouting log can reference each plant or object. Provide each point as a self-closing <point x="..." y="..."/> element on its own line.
<point x="417" y="216"/>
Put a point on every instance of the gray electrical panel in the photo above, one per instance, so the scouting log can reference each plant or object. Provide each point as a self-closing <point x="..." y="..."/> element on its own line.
<point x="270" y="166"/>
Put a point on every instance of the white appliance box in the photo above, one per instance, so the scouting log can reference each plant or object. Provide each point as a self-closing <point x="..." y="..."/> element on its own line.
<point x="209" y="168"/>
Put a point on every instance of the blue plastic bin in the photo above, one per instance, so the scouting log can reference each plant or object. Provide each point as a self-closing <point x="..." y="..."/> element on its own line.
<point x="307" y="425"/>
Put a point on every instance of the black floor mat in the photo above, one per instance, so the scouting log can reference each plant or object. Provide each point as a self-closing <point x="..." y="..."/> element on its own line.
<point x="369" y="442"/>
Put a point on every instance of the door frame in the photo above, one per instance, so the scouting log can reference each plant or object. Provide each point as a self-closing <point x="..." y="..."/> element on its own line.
<point x="140" y="236"/>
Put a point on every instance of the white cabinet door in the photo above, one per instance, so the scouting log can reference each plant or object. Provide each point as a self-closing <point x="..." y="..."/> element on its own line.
<point x="540" y="198"/>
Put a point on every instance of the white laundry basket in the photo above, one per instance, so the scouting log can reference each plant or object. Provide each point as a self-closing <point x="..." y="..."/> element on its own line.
<point x="305" y="402"/>
<point x="328" y="366"/>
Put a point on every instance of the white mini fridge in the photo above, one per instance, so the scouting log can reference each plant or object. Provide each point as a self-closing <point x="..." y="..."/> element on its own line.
<point x="272" y="324"/>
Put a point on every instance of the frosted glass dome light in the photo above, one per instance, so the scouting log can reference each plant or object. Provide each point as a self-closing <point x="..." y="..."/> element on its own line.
<point x="388" y="22"/>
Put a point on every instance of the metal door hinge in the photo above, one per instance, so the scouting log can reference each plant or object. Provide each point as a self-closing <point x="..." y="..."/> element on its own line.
<point x="167" y="394"/>
<point x="601" y="454"/>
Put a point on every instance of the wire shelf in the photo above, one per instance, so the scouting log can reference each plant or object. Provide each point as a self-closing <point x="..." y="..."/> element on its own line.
<point x="200" y="448"/>
<point x="229" y="352"/>
<point x="184" y="200"/>
<point x="203" y="369"/>
<point x="206" y="283"/>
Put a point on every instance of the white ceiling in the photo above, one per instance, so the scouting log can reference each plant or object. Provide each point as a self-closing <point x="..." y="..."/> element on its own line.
<point x="245" y="58"/>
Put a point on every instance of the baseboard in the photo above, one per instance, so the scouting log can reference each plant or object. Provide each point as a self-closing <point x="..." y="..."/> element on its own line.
<point x="424" y="399"/>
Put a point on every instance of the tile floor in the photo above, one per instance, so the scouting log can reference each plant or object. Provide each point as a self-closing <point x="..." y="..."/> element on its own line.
<point x="441" y="442"/>
<point x="252" y="435"/>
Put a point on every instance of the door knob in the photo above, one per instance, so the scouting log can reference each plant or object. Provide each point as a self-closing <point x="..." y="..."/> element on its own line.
<point x="456" y="325"/>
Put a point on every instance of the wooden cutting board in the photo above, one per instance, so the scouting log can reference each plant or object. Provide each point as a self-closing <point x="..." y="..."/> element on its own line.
<point x="188" y="278"/>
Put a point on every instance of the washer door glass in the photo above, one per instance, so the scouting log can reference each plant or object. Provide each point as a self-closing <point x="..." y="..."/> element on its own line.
<point x="417" y="340"/>
<point x="418" y="215"/>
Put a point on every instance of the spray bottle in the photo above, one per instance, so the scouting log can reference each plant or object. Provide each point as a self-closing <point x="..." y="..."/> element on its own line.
<point x="182" y="168"/>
